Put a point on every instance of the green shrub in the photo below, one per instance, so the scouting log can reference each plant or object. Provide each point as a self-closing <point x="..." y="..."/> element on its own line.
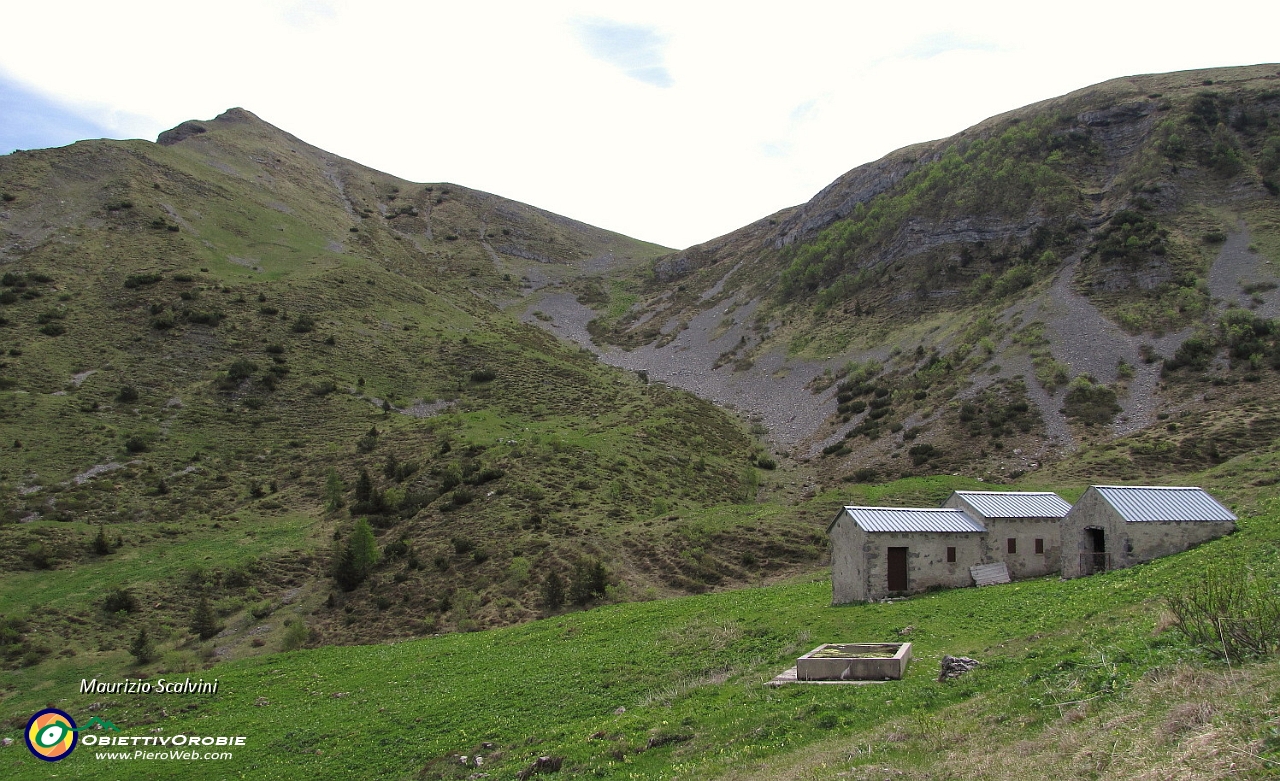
<point x="1194" y="353"/>
<point x="396" y="549"/>
<point x="1090" y="403"/>
<point x="483" y="375"/>
<point x="118" y="600"/>
<point x="1013" y="280"/>
<point x="1229" y="612"/>
<point x="486" y="475"/>
<point x="922" y="453"/>
<point x="240" y="369"/>
<point x="141" y="280"/>
<point x="1130" y="236"/>
<point x="852" y="407"/>
<point x="303" y="324"/>
<point x="204" y="318"/>
<point x="296" y="635"/>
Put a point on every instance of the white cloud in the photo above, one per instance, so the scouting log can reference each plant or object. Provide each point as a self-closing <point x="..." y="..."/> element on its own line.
<point x="636" y="50"/>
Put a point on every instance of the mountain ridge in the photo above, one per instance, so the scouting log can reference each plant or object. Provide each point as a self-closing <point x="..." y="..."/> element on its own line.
<point x="948" y="229"/>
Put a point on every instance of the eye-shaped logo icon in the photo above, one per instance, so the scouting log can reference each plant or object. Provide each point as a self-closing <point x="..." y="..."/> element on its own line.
<point x="51" y="734"/>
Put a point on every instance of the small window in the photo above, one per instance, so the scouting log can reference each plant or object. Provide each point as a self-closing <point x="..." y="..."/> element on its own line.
<point x="1013" y="544"/>
<point x="1039" y="545"/>
<point x="951" y="555"/>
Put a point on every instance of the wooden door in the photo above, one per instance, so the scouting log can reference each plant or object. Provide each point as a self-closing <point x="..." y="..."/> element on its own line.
<point x="897" y="569"/>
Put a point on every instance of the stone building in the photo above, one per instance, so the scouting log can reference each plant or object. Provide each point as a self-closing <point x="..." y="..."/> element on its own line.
<point x="1112" y="526"/>
<point x="883" y="551"/>
<point x="1022" y="528"/>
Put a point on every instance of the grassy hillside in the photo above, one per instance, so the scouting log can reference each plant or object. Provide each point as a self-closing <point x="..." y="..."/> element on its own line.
<point x="1086" y="676"/>
<point x="220" y="352"/>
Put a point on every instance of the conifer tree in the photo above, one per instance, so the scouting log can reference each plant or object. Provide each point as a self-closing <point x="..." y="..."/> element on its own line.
<point x="333" y="489"/>
<point x="367" y="498"/>
<point x="142" y="649"/>
<point x="101" y="545"/>
<point x="357" y="557"/>
<point x="203" y="620"/>
<point x="553" y="592"/>
<point x="364" y="487"/>
<point x="590" y="578"/>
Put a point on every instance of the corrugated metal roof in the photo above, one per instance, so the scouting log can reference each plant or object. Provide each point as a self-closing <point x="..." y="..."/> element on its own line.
<point x="913" y="519"/>
<point x="1016" y="504"/>
<point x="1164" y="503"/>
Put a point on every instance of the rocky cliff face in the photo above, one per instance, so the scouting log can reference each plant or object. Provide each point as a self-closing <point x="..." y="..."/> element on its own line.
<point x="1032" y="251"/>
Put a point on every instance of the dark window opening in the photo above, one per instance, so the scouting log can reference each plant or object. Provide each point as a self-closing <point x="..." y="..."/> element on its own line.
<point x="1039" y="545"/>
<point x="1013" y="544"/>
<point x="951" y="555"/>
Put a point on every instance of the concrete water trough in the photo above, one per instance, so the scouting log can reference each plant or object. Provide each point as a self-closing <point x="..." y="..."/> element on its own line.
<point x="854" y="662"/>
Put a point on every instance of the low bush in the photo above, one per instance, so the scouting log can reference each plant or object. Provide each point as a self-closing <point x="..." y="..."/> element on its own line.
<point x="118" y="600"/>
<point x="204" y="318"/>
<point x="1229" y="612"/>
<point x="922" y="453"/>
<point x="141" y="280"/>
<point x="1090" y="403"/>
<point x="1194" y="353"/>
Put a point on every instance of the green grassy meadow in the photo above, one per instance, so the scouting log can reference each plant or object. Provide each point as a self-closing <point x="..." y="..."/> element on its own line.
<point x="675" y="688"/>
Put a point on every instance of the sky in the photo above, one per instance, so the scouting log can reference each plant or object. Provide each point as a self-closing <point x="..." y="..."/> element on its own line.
<point x="670" y="122"/>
